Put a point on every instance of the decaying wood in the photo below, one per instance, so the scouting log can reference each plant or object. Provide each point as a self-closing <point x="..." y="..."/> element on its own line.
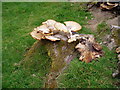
<point x="59" y="60"/>
<point x="61" y="54"/>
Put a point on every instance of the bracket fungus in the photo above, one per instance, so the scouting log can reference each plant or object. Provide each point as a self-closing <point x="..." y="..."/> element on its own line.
<point x="108" y="5"/>
<point x="36" y="34"/>
<point x="52" y="38"/>
<point x="56" y="31"/>
<point x="73" y="26"/>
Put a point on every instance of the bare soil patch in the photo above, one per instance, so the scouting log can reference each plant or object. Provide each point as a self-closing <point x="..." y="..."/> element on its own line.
<point x="100" y="16"/>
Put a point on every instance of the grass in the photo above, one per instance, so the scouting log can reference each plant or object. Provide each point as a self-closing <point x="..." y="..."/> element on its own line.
<point x="18" y="19"/>
<point x="96" y="74"/>
<point x="103" y="29"/>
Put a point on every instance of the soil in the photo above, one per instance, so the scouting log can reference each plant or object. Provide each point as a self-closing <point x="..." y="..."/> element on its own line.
<point x="110" y="19"/>
<point x="100" y="16"/>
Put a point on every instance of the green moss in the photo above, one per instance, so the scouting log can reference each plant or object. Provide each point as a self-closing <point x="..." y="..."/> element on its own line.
<point x="116" y="36"/>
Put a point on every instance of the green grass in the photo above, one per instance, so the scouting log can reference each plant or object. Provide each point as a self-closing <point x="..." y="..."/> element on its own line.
<point x="96" y="74"/>
<point x="18" y="19"/>
<point x="103" y="29"/>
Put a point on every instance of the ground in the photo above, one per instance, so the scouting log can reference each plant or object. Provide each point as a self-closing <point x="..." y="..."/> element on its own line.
<point x="101" y="16"/>
<point x="19" y="19"/>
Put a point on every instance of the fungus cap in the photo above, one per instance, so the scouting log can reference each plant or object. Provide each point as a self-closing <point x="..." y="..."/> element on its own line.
<point x="73" y="26"/>
<point x="73" y="38"/>
<point x="43" y="29"/>
<point x="118" y="50"/>
<point x="61" y="27"/>
<point x="49" y="22"/>
<point x="52" y="38"/>
<point x="37" y="35"/>
<point x="112" y="4"/>
<point x="103" y="6"/>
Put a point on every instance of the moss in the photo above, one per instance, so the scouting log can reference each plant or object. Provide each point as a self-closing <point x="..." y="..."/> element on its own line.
<point x="116" y="36"/>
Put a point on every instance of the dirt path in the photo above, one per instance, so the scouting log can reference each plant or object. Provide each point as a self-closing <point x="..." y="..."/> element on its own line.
<point x="100" y="16"/>
<point x="111" y="40"/>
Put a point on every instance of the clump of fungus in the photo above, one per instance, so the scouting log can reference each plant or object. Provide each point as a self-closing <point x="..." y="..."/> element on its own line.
<point x="88" y="49"/>
<point x="108" y="5"/>
<point x="50" y="28"/>
<point x="56" y="31"/>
